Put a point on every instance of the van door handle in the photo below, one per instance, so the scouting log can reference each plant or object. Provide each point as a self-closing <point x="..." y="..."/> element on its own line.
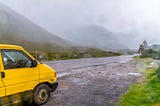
<point x="2" y="75"/>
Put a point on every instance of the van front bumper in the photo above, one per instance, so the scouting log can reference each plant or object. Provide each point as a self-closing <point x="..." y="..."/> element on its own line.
<point x="54" y="86"/>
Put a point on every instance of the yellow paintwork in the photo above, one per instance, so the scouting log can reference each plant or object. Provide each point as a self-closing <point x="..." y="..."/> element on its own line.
<point x="47" y="73"/>
<point x="2" y="88"/>
<point x="5" y="46"/>
<point x="23" y="79"/>
<point x="19" y="80"/>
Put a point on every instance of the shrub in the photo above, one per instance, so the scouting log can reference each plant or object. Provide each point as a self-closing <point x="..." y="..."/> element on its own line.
<point x="148" y="53"/>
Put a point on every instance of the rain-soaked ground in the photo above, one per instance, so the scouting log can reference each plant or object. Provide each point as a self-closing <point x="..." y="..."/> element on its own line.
<point x="93" y="81"/>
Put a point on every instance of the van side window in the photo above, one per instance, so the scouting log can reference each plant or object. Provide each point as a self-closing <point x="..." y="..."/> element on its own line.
<point x="15" y="59"/>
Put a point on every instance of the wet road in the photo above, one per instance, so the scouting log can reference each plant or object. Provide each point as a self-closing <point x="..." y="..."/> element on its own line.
<point x="93" y="81"/>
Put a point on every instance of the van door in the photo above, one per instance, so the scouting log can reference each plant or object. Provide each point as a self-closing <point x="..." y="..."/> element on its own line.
<point x="2" y="88"/>
<point x="20" y="76"/>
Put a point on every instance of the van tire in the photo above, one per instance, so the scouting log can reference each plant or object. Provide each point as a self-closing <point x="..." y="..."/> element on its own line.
<point x="41" y="94"/>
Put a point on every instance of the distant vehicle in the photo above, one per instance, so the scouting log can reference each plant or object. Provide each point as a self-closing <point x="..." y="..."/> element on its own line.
<point x="23" y="79"/>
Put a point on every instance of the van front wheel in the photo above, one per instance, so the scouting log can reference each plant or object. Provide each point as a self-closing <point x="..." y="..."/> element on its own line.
<point x="41" y="94"/>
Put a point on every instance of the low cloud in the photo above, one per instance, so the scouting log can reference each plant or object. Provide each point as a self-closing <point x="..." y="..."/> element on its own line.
<point x="59" y="16"/>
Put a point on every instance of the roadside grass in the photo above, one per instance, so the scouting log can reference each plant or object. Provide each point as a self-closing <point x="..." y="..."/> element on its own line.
<point x="143" y="61"/>
<point x="140" y="58"/>
<point x="137" y="58"/>
<point x="146" y="93"/>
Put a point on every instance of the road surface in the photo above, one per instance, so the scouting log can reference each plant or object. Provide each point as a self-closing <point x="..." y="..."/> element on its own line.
<point x="93" y="81"/>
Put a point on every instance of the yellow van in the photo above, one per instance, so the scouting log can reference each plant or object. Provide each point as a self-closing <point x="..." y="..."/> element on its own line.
<point x="23" y="79"/>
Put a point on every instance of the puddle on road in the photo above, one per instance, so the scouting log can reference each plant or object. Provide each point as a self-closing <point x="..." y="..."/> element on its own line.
<point x="59" y="75"/>
<point x="129" y="74"/>
<point x="79" y="81"/>
<point x="134" y="74"/>
<point x="76" y="80"/>
<point x="64" y="85"/>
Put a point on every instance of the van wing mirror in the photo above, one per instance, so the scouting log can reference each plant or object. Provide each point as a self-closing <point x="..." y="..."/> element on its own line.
<point x="34" y="63"/>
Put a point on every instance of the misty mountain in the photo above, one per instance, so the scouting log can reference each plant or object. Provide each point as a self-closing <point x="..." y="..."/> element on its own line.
<point x="95" y="36"/>
<point x="16" y="29"/>
<point x="131" y="39"/>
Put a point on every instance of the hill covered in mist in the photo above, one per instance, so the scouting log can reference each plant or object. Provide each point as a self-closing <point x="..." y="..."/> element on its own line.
<point x="98" y="37"/>
<point x="16" y="29"/>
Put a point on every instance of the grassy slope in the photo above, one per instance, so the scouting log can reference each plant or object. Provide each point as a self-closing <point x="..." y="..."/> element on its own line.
<point x="145" y="93"/>
<point x="76" y="53"/>
<point x="54" y="52"/>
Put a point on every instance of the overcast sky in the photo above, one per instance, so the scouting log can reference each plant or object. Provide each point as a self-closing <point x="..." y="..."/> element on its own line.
<point x="57" y="16"/>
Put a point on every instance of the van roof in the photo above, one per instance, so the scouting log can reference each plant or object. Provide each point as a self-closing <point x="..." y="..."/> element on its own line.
<point x="6" y="46"/>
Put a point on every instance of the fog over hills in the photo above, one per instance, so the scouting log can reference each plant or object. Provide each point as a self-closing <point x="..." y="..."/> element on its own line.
<point x="131" y="21"/>
<point x="16" y="29"/>
<point x="95" y="36"/>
